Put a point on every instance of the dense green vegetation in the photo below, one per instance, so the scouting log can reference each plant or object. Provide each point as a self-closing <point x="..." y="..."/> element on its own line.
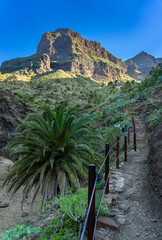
<point x="20" y="232"/>
<point x="108" y="108"/>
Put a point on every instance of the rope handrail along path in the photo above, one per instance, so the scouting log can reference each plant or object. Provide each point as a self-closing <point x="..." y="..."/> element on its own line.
<point x="93" y="191"/>
<point x="92" y="183"/>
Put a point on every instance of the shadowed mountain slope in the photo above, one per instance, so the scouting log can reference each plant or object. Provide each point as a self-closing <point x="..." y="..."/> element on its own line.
<point x="140" y="65"/>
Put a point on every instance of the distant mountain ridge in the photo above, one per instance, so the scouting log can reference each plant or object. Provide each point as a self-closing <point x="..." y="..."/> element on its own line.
<point x="139" y="66"/>
<point x="67" y="50"/>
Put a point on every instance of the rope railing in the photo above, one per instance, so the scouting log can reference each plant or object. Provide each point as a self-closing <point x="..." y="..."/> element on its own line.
<point x="92" y="195"/>
<point x="91" y="232"/>
<point x="98" y="211"/>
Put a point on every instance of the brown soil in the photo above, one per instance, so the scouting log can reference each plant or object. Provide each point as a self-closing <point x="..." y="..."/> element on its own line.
<point x="11" y="215"/>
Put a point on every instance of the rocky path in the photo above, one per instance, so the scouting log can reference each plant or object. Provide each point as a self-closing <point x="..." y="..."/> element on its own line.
<point x="134" y="210"/>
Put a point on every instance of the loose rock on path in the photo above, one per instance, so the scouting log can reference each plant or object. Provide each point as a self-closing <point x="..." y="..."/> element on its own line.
<point x="134" y="210"/>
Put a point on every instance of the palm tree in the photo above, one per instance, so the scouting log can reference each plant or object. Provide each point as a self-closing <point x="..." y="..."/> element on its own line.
<point x="54" y="151"/>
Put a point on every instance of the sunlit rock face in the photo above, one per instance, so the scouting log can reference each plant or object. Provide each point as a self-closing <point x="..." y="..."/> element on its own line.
<point x="71" y="52"/>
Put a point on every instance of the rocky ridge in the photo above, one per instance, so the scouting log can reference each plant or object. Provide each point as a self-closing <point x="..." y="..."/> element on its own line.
<point x="35" y="64"/>
<point x="139" y="66"/>
<point x="67" y="50"/>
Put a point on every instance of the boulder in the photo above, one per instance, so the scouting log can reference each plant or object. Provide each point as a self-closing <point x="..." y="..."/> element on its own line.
<point x="104" y="221"/>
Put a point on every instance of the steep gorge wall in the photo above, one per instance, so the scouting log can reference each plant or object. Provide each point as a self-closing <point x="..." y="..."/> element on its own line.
<point x="69" y="51"/>
<point x="155" y="162"/>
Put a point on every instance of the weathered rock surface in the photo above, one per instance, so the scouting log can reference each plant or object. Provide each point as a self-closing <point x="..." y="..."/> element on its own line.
<point x="155" y="160"/>
<point x="4" y="205"/>
<point x="102" y="234"/>
<point x="70" y="52"/>
<point x="36" y="64"/>
<point x="107" y="222"/>
<point x="140" y="65"/>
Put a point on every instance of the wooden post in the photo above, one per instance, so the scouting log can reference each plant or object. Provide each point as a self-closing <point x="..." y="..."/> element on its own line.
<point x="133" y="123"/>
<point x="107" y="168"/>
<point x="125" y="147"/>
<point x="117" y="152"/>
<point x="91" y="218"/>
<point x="128" y="136"/>
<point x="135" y="148"/>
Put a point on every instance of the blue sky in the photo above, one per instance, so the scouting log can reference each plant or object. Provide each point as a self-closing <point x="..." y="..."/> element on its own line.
<point x="123" y="27"/>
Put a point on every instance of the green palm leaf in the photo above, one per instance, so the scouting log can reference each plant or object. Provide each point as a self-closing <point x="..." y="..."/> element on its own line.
<point x="54" y="150"/>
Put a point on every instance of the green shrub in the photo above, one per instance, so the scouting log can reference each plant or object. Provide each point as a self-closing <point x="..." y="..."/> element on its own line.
<point x="20" y="232"/>
<point x="111" y="134"/>
<point x="155" y="116"/>
<point x="69" y="214"/>
<point x="142" y="97"/>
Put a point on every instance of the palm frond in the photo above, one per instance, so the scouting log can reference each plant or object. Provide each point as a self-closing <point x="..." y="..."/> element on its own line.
<point x="54" y="150"/>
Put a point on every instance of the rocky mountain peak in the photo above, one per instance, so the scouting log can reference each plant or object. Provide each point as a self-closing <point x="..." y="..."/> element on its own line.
<point x="139" y="66"/>
<point x="70" y="43"/>
<point x="143" y="56"/>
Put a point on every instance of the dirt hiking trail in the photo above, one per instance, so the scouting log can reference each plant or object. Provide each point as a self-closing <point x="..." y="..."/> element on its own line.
<point x="135" y="211"/>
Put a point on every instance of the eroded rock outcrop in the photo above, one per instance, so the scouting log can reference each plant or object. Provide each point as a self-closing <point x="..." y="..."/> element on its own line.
<point x="36" y="64"/>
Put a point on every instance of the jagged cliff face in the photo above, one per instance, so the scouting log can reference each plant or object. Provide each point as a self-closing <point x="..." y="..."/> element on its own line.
<point x="69" y="51"/>
<point x="140" y="65"/>
<point x="64" y="44"/>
